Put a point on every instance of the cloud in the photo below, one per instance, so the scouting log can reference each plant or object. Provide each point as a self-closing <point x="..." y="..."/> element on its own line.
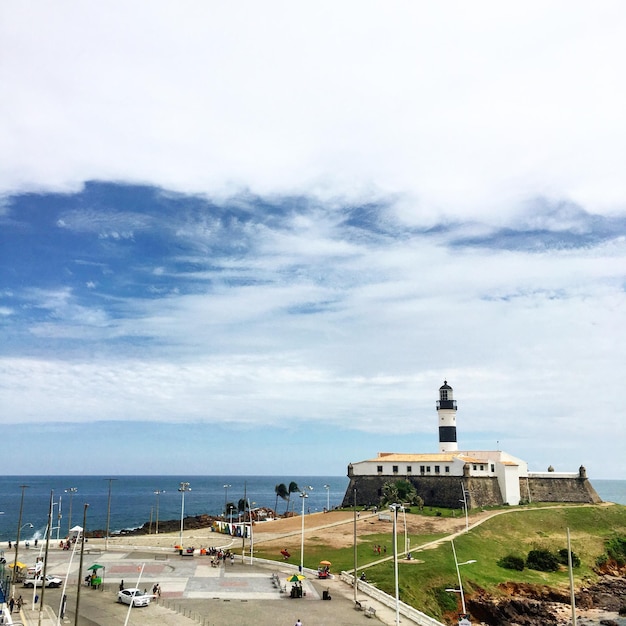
<point x="257" y="216"/>
<point x="463" y="111"/>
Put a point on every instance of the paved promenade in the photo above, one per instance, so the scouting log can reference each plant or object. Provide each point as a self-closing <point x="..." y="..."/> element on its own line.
<point x="193" y="592"/>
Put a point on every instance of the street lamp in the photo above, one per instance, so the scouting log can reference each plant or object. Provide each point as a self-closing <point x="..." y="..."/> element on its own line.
<point x="106" y="537"/>
<point x="157" y="493"/>
<point x="17" y="543"/>
<point x="464" y="501"/>
<point x="327" y="487"/>
<point x="304" y="495"/>
<point x="183" y="488"/>
<point x="458" y="574"/>
<point x="251" y="531"/>
<point x="226" y="497"/>
<point x="406" y="536"/>
<point x="394" y="509"/>
<point x="71" y="491"/>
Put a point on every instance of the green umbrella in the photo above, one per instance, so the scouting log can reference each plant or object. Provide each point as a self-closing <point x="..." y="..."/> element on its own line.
<point x="96" y="566"/>
<point x="295" y="578"/>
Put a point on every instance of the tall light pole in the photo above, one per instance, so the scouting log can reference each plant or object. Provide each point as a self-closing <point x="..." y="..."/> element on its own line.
<point x="458" y="574"/>
<point x="304" y="495"/>
<point x="394" y="509"/>
<point x="184" y="487"/>
<point x="251" y="531"/>
<point x="355" y="552"/>
<point x="71" y="491"/>
<point x="80" y="566"/>
<point x="157" y="493"/>
<point x="106" y="537"/>
<point x="226" y="498"/>
<point x="17" y="542"/>
<point x="464" y="501"/>
<point x="327" y="487"/>
<point x="406" y="536"/>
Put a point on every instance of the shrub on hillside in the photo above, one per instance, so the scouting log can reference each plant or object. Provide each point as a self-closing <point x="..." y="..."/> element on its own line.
<point x="616" y="549"/>
<point x="562" y="557"/>
<point x="542" y="561"/>
<point x="510" y="561"/>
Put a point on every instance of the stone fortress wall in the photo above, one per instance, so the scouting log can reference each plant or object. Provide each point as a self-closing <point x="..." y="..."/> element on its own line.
<point x="447" y="491"/>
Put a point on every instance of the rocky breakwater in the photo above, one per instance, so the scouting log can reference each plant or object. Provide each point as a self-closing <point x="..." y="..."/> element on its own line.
<point x="521" y="604"/>
<point x="195" y="522"/>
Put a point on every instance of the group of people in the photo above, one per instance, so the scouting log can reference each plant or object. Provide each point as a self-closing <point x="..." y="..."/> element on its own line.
<point x="13" y="603"/>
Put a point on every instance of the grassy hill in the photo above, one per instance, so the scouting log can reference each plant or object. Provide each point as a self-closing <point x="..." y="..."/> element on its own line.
<point x="512" y="531"/>
<point x="422" y="584"/>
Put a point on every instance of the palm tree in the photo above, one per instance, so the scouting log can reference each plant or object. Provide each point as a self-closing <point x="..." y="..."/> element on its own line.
<point x="293" y="488"/>
<point x="281" y="491"/>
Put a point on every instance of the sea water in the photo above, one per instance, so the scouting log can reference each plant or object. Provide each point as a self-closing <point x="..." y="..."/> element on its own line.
<point x="130" y="501"/>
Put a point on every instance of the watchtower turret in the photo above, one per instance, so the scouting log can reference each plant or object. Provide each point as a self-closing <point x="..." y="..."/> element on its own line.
<point x="446" y="416"/>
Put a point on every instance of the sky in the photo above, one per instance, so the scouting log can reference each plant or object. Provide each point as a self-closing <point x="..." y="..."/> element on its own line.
<point x="255" y="238"/>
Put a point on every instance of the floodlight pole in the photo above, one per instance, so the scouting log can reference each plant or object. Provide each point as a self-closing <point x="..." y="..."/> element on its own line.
<point x="304" y="495"/>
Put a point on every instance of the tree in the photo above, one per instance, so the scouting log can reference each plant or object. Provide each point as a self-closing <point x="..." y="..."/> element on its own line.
<point x="293" y="488"/>
<point x="281" y="491"/>
<point x="406" y="491"/>
<point x="390" y="493"/>
<point x="400" y="491"/>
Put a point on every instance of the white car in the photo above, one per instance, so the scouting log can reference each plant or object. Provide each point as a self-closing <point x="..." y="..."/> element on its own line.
<point x="135" y="596"/>
<point x="51" y="581"/>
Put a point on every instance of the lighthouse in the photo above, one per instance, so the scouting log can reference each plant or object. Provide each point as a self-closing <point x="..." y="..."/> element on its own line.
<point x="446" y="417"/>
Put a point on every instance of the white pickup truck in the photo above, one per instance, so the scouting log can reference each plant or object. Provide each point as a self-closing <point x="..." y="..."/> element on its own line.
<point x="51" y="581"/>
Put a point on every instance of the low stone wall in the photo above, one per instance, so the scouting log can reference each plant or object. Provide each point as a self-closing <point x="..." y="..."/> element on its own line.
<point x="545" y="489"/>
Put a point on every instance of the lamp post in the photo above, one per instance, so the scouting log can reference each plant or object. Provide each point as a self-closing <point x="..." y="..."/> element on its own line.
<point x="251" y="531"/>
<point x="71" y="491"/>
<point x="226" y="498"/>
<point x="80" y="564"/>
<point x="458" y="574"/>
<point x="183" y="488"/>
<point x="58" y="526"/>
<point x="394" y="509"/>
<point x="406" y="536"/>
<point x="17" y="543"/>
<point x="157" y="493"/>
<point x="464" y="501"/>
<point x="327" y="487"/>
<point x="106" y="537"/>
<point x="304" y="495"/>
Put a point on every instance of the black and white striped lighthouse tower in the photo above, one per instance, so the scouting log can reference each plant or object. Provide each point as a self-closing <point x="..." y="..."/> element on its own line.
<point x="446" y="416"/>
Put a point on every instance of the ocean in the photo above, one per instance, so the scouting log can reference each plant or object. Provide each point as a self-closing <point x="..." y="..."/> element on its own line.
<point x="134" y="502"/>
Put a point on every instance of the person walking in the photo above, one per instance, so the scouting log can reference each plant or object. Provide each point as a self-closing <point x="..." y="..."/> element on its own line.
<point x="298" y="623"/>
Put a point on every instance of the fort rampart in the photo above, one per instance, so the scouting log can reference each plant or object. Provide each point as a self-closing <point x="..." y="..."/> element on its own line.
<point x="447" y="491"/>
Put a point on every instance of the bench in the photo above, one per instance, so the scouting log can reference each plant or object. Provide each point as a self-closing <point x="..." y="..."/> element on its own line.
<point x="370" y="611"/>
<point x="92" y="551"/>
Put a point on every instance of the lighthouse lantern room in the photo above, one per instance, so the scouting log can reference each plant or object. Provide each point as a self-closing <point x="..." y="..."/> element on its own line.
<point x="446" y="416"/>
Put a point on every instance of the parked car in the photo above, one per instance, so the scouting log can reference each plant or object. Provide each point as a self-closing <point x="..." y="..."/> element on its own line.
<point x="51" y="581"/>
<point x="135" y="596"/>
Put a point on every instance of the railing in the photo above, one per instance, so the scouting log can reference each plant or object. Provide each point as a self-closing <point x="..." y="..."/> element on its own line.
<point x="417" y="617"/>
